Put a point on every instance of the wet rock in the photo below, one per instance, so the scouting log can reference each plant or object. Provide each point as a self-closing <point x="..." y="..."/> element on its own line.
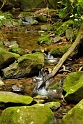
<point x="9" y="97"/>
<point x="17" y="88"/>
<point x="36" y="114"/>
<point x="46" y="27"/>
<point x="60" y="50"/>
<point x="41" y="18"/>
<point x="7" y="20"/>
<point x="44" y="39"/>
<point x="16" y="49"/>
<point x="53" y="105"/>
<point x="7" y="58"/>
<point x="27" y="18"/>
<point x="40" y="98"/>
<point x="75" y="115"/>
<point x="73" y="86"/>
<point x="26" y="65"/>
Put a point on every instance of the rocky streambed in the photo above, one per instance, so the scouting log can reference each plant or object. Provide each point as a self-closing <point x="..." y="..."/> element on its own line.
<point x="24" y="63"/>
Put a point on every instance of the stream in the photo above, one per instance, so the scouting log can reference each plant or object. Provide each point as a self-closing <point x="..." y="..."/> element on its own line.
<point x="26" y="37"/>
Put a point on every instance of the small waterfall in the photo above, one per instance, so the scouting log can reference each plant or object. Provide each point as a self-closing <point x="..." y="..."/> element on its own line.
<point x="49" y="56"/>
<point x="37" y="89"/>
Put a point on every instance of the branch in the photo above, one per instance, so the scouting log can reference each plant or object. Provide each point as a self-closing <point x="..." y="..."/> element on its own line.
<point x="65" y="56"/>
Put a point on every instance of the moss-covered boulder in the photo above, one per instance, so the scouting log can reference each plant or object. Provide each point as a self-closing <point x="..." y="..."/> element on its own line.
<point x="41" y="18"/>
<point x="46" y="27"/>
<point x="28" y="18"/>
<point x="75" y="115"/>
<point x="16" y="49"/>
<point x="7" y="58"/>
<point x="60" y="50"/>
<point x="73" y="86"/>
<point x="44" y="39"/>
<point x="9" y="97"/>
<point x="7" y="20"/>
<point x="39" y="114"/>
<point x="26" y="65"/>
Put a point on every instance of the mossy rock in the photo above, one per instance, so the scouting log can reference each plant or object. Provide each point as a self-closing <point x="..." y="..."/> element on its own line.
<point x="75" y="115"/>
<point x="73" y="86"/>
<point x="60" y="50"/>
<point x="25" y="14"/>
<point x="47" y="27"/>
<point x="53" y="105"/>
<point x="39" y="114"/>
<point x="15" y="49"/>
<point x="6" y="19"/>
<point x="41" y="18"/>
<point x="44" y="39"/>
<point x="62" y="28"/>
<point x="7" y="58"/>
<point x="26" y="65"/>
<point x="9" y="97"/>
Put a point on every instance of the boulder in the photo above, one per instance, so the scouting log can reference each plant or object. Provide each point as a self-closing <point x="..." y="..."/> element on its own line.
<point x="44" y="39"/>
<point x="7" y="58"/>
<point x="26" y="65"/>
<point x="10" y="97"/>
<point x="39" y="114"/>
<point x="75" y="115"/>
<point x="73" y="86"/>
<point x="27" y="18"/>
<point x="60" y="50"/>
<point x="6" y="19"/>
<point x="16" y="49"/>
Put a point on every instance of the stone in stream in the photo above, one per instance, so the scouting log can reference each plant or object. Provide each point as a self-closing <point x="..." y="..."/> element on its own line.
<point x="9" y="97"/>
<point x="26" y="65"/>
<point x="75" y="115"/>
<point x="7" y="58"/>
<point x="73" y="86"/>
<point x="36" y="114"/>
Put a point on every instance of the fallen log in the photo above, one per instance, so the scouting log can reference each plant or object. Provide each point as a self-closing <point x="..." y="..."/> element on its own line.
<point x="65" y="56"/>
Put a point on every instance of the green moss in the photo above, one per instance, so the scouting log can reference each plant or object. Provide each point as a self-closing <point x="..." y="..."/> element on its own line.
<point x="61" y="30"/>
<point x="27" y="115"/>
<point x="6" y="57"/>
<point x="7" y="97"/>
<point x="15" y="48"/>
<point x="75" y="115"/>
<point x="27" y="64"/>
<point x="60" y="50"/>
<point x="73" y="85"/>
<point x="41" y="18"/>
<point x="45" y="39"/>
<point x="72" y="79"/>
<point x="55" y="86"/>
<point x="35" y="57"/>
<point x="47" y="27"/>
